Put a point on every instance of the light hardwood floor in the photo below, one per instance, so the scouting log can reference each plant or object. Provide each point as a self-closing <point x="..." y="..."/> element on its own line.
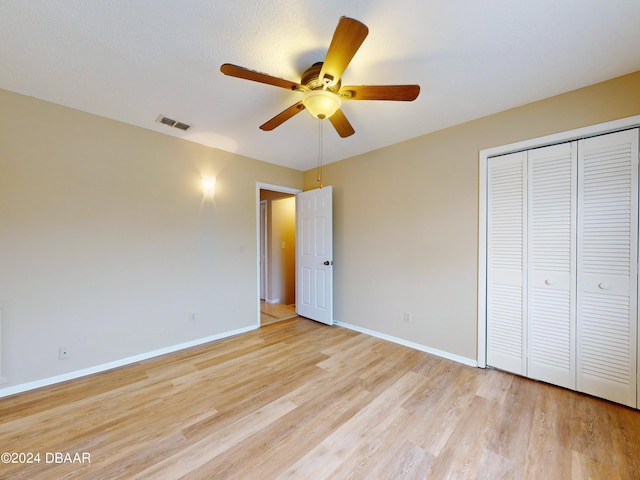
<point x="301" y="400"/>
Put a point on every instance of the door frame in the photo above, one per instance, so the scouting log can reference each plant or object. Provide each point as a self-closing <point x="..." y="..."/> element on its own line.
<point x="275" y="188"/>
<point x="263" y="249"/>
<point x="483" y="157"/>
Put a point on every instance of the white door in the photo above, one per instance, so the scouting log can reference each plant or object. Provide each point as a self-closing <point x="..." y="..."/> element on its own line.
<point x="551" y="260"/>
<point x="314" y="255"/>
<point x="506" y="262"/>
<point x="607" y="266"/>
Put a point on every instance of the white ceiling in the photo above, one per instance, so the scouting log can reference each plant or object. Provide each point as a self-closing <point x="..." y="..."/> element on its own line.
<point x="134" y="60"/>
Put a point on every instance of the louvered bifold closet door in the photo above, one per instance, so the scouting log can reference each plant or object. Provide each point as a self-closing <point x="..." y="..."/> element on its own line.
<point x="551" y="205"/>
<point x="607" y="264"/>
<point x="506" y="234"/>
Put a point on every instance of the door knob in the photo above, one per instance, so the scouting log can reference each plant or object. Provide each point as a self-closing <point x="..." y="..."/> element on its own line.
<point x="327" y="262"/>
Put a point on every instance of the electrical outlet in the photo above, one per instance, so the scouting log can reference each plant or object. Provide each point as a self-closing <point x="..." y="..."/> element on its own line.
<point x="64" y="353"/>
<point x="407" y="317"/>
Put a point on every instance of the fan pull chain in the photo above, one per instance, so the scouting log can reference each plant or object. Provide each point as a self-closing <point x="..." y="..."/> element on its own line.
<point x="319" y="175"/>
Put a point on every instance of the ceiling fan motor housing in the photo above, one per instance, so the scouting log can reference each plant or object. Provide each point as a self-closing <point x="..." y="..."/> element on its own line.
<point x="311" y="79"/>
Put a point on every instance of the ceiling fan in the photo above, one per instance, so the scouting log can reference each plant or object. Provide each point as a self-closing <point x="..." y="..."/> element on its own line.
<point x="321" y="84"/>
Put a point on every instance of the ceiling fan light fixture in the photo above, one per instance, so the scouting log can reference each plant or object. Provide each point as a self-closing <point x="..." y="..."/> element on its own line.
<point x="321" y="103"/>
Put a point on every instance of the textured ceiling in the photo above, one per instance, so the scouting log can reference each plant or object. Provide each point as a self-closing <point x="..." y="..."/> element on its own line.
<point x="134" y="60"/>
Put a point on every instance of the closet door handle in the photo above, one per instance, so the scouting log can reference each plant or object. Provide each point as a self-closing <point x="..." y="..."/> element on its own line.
<point x="603" y="286"/>
<point x="548" y="281"/>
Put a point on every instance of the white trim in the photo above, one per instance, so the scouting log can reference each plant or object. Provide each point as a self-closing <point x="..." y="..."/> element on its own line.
<point x="482" y="264"/>
<point x="263" y="235"/>
<point x="483" y="156"/>
<point x="275" y="188"/>
<point x="119" y="363"/>
<point x="271" y="301"/>
<point x="416" y="346"/>
<point x="562" y="137"/>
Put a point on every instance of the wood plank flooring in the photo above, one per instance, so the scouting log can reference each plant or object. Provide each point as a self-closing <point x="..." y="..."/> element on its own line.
<point x="301" y="400"/>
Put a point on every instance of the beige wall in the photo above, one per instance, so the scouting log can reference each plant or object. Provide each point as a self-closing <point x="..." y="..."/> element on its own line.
<point x="106" y="244"/>
<point x="406" y="217"/>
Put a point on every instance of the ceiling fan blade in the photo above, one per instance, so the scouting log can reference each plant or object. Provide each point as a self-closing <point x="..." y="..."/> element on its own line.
<point x="282" y="117"/>
<point x="248" y="74"/>
<point x="341" y="124"/>
<point x="405" y="93"/>
<point x="346" y="41"/>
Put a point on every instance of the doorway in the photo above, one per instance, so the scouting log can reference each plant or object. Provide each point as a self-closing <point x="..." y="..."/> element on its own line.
<point x="277" y="253"/>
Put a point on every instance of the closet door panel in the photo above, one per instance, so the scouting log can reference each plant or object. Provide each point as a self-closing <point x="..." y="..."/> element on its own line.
<point x="551" y="206"/>
<point x="607" y="266"/>
<point x="506" y="233"/>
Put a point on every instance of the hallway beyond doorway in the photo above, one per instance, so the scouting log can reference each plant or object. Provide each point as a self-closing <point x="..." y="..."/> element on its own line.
<point x="275" y="312"/>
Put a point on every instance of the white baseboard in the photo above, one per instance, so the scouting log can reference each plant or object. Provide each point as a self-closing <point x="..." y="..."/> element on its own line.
<point x="24" y="387"/>
<point x="272" y="300"/>
<point x="433" y="351"/>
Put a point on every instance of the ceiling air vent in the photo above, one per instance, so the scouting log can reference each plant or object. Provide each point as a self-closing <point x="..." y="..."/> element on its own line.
<point x="173" y="123"/>
<point x="182" y="126"/>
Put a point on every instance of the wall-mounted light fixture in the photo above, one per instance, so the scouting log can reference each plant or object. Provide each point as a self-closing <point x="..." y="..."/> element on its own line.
<point x="208" y="186"/>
